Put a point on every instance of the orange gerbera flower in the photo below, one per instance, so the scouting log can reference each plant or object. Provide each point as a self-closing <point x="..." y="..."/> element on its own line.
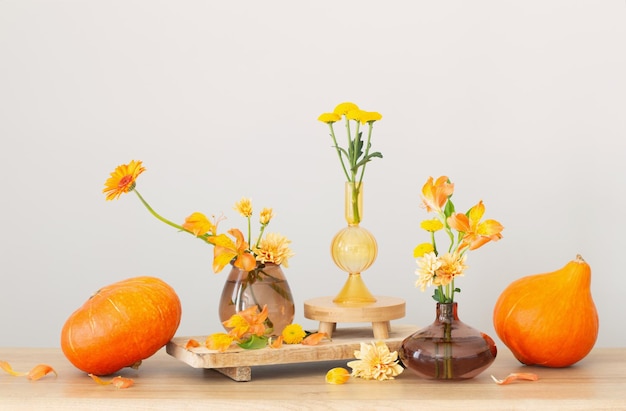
<point x="122" y="179"/>
<point x="475" y="233"/>
<point x="435" y="194"/>
<point x="226" y="249"/>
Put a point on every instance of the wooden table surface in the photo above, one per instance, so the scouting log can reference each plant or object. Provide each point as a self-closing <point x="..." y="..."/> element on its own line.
<point x="598" y="382"/>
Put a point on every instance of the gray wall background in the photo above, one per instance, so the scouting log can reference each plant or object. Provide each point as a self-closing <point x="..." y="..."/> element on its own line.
<point x="522" y="104"/>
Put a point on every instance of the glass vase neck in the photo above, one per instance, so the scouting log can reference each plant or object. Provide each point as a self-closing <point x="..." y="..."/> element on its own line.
<point x="353" y="202"/>
<point x="447" y="312"/>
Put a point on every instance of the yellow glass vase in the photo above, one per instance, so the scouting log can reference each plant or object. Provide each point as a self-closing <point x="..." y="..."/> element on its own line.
<point x="354" y="249"/>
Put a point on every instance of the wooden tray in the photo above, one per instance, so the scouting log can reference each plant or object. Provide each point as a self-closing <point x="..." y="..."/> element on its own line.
<point x="236" y="362"/>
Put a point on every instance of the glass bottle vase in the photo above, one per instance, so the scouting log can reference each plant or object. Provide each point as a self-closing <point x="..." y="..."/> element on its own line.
<point x="354" y="249"/>
<point x="265" y="285"/>
<point x="448" y="349"/>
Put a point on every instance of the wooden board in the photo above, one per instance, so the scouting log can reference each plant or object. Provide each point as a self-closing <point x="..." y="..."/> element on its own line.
<point x="236" y="362"/>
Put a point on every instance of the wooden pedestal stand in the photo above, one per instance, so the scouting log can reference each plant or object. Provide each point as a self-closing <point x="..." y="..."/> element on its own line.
<point x="379" y="313"/>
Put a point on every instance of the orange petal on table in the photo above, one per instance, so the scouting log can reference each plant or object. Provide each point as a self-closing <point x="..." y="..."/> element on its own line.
<point x="314" y="339"/>
<point x="276" y="342"/>
<point x="516" y="376"/>
<point x="192" y="343"/>
<point x="7" y="368"/>
<point x="118" y="382"/>
<point x="39" y="371"/>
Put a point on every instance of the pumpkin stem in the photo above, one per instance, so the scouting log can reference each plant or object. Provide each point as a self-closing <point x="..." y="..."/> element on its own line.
<point x="136" y="365"/>
<point x="579" y="259"/>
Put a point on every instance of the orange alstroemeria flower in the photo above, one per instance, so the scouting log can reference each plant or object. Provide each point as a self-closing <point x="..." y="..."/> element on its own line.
<point x="226" y="249"/>
<point x="436" y="193"/>
<point x="122" y="179"/>
<point x="199" y="224"/>
<point x="475" y="233"/>
<point x="248" y="321"/>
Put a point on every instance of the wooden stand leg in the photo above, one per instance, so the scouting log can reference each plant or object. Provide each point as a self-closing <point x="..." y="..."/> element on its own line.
<point x="327" y="328"/>
<point x="381" y="329"/>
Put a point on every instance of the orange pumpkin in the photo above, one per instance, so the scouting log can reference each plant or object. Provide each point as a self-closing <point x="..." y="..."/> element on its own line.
<point x="120" y="325"/>
<point x="549" y="319"/>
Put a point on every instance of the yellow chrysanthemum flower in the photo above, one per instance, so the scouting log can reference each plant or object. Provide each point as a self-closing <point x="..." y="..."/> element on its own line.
<point x="274" y="248"/>
<point x="219" y="341"/>
<point x="329" y="118"/>
<point x="370" y="116"/>
<point x="266" y="215"/>
<point x="422" y="249"/>
<point x="122" y="179"/>
<point x="375" y="362"/>
<point x="344" y="108"/>
<point x="432" y="225"/>
<point x="244" y="207"/>
<point x="293" y="334"/>
<point x="337" y="375"/>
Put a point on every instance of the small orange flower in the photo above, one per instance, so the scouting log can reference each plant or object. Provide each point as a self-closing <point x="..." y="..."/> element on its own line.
<point x="122" y="179"/>
<point x="436" y="193"/>
<point x="226" y="249"/>
<point x="199" y="224"/>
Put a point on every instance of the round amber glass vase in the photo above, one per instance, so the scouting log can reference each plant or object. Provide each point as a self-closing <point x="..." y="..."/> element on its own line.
<point x="354" y="249"/>
<point x="265" y="285"/>
<point x="448" y="349"/>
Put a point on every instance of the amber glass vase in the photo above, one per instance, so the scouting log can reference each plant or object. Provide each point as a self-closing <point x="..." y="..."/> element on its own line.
<point x="448" y="349"/>
<point x="265" y="285"/>
<point x="354" y="249"/>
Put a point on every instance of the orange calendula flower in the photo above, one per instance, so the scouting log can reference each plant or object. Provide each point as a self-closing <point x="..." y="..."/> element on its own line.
<point x="244" y="207"/>
<point x="337" y="375"/>
<point x="39" y="371"/>
<point x="117" y="382"/>
<point x="226" y="249"/>
<point x="122" y="179"/>
<point x="329" y="118"/>
<point x="199" y="224"/>
<point x="475" y="233"/>
<point x="247" y="322"/>
<point x="314" y="339"/>
<point x="6" y="367"/>
<point x="436" y="193"/>
<point x="293" y="334"/>
<point x="219" y="341"/>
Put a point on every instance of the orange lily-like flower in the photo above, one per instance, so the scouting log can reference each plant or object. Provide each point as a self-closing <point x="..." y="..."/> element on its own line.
<point x="226" y="249"/>
<point x="436" y="193"/>
<point x="475" y="233"/>
<point x="122" y="179"/>
<point x="248" y="321"/>
<point x="199" y="224"/>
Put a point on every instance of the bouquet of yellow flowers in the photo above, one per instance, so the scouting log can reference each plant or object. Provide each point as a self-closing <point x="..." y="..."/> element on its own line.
<point x="242" y="252"/>
<point x="466" y="232"/>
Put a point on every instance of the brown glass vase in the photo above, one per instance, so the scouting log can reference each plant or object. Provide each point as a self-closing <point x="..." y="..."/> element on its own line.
<point x="448" y="349"/>
<point x="265" y="285"/>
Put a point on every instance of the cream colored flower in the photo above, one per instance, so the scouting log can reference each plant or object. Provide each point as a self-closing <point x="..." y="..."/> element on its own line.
<point x="244" y="207"/>
<point x="274" y="248"/>
<point x="375" y="362"/>
<point x="428" y="266"/>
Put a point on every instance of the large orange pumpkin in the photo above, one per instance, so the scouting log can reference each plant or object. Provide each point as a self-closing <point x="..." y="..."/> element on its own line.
<point x="120" y="325"/>
<point x="549" y="319"/>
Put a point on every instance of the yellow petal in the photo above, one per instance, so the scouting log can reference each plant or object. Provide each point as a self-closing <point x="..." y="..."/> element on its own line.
<point x="7" y="368"/>
<point x="40" y="371"/>
<point x="337" y="376"/>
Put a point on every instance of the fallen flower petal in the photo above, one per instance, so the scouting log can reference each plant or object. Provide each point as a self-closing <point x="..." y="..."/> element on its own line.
<point x="7" y="368"/>
<point x="192" y="343"/>
<point x="516" y="376"/>
<point x="275" y="342"/>
<point x="39" y="371"/>
<point x="118" y="382"/>
<point x="314" y="339"/>
<point x="337" y="376"/>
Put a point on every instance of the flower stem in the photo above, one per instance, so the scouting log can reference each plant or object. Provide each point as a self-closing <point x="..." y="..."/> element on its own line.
<point x="154" y="213"/>
<point x="332" y="134"/>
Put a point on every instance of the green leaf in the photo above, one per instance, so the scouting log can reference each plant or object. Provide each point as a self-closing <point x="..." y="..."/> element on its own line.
<point x="253" y="343"/>
<point x="449" y="208"/>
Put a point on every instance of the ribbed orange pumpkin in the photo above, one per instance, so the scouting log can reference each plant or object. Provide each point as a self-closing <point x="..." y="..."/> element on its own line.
<point x="549" y="319"/>
<point x="121" y="324"/>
